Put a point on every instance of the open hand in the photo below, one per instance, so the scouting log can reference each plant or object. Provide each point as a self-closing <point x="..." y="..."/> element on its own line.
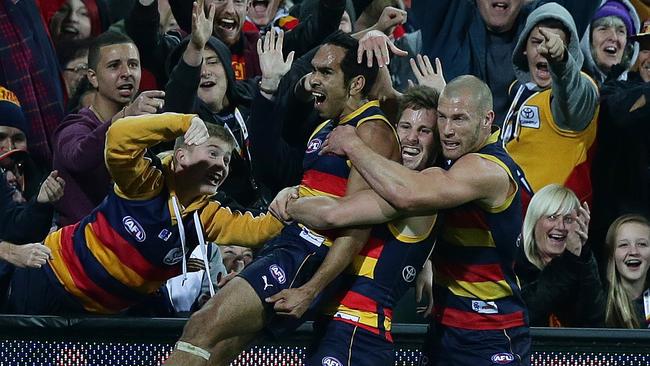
<point x="201" y="25"/>
<point x="272" y="62"/>
<point x="197" y="133"/>
<point x="426" y="75"/>
<point x="577" y="237"/>
<point x="376" y="44"/>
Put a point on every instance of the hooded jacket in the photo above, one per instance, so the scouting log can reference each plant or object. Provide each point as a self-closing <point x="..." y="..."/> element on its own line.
<point x="590" y="66"/>
<point x="550" y="132"/>
<point x="455" y="32"/>
<point x="575" y="98"/>
<point x="181" y="96"/>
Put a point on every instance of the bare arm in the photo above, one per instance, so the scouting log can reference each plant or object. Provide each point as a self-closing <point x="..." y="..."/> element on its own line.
<point x="471" y="178"/>
<point x="323" y="213"/>
<point x="296" y="301"/>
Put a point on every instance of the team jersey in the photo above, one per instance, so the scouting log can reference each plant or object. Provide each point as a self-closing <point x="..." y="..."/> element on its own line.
<point x="547" y="153"/>
<point x="327" y="175"/>
<point x="476" y="287"/>
<point x="131" y="243"/>
<point x="379" y="276"/>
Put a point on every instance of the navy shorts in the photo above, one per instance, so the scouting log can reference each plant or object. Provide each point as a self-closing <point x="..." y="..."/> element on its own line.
<point x="448" y="346"/>
<point x="287" y="261"/>
<point x="342" y="344"/>
<point x="34" y="292"/>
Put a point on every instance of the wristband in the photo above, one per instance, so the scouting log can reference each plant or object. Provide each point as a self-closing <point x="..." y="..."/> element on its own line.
<point x="193" y="350"/>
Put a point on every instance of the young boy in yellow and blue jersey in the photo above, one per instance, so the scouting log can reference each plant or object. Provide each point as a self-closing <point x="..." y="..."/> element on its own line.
<point x="141" y="234"/>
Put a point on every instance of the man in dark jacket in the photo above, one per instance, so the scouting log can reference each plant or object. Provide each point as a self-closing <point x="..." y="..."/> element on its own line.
<point x="475" y="37"/>
<point x="142" y="26"/>
<point x="203" y="81"/>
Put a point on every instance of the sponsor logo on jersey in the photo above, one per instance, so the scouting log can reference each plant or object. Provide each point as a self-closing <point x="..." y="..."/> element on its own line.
<point x="346" y="316"/>
<point x="483" y="307"/>
<point x="311" y="237"/>
<point x="408" y="273"/>
<point x="331" y="361"/>
<point x="266" y="283"/>
<point x="134" y="228"/>
<point x="529" y="116"/>
<point x="173" y="256"/>
<point x="314" y="145"/>
<point x="165" y="234"/>
<point x="278" y="273"/>
<point x="503" y="358"/>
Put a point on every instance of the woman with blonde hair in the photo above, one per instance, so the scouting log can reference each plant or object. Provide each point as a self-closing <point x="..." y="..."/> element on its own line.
<point x="559" y="275"/>
<point x="628" y="242"/>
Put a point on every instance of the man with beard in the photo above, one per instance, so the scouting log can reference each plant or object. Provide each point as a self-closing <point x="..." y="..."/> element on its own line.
<point x="238" y="313"/>
<point x="114" y="70"/>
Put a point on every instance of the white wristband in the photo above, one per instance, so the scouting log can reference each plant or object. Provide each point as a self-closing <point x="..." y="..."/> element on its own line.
<point x="192" y="349"/>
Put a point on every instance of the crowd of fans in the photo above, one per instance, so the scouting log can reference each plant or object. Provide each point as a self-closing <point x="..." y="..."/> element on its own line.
<point x="569" y="79"/>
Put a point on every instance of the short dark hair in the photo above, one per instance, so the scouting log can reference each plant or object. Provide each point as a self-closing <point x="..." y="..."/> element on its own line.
<point x="418" y="97"/>
<point x="105" y="39"/>
<point x="213" y="131"/>
<point x="349" y="64"/>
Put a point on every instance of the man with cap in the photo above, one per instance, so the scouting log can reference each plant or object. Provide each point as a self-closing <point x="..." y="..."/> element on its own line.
<point x="21" y="221"/>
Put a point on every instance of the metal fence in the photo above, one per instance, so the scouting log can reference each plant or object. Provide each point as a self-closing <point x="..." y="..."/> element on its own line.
<point x="47" y="340"/>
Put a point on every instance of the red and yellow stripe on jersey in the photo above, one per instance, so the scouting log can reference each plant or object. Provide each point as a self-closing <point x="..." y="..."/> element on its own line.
<point x="379" y="276"/>
<point x="327" y="175"/>
<point x="130" y="244"/>
<point x="548" y="154"/>
<point x="476" y="287"/>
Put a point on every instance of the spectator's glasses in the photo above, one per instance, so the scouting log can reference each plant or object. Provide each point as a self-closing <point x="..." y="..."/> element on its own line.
<point x="79" y="69"/>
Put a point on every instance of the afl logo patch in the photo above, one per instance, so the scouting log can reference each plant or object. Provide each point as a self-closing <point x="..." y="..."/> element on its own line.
<point x="173" y="256"/>
<point x="408" y="273"/>
<point x="278" y="273"/>
<point x="314" y="145"/>
<point x="134" y="228"/>
<point x="331" y="361"/>
<point x="503" y="358"/>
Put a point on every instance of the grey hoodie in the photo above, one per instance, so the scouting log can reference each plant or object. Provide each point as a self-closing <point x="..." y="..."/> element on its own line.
<point x="590" y="66"/>
<point x="575" y="97"/>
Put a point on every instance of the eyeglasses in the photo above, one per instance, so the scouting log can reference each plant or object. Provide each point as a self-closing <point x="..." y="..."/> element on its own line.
<point x="79" y="69"/>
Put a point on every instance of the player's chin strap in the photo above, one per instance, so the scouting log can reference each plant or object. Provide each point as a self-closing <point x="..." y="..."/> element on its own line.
<point x="193" y="350"/>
